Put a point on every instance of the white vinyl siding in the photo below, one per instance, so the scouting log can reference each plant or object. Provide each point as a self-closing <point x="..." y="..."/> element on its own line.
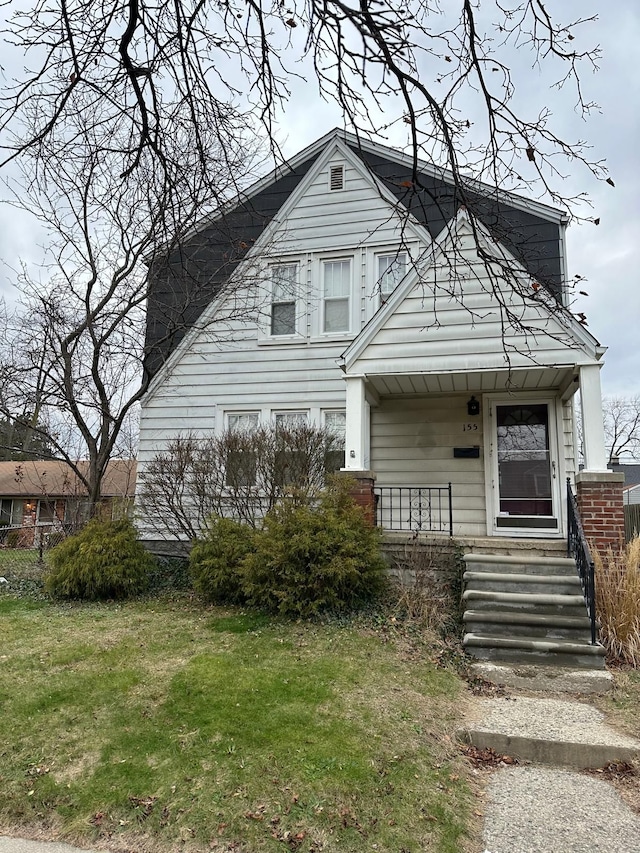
<point x="336" y="285"/>
<point x="444" y="326"/>
<point x="412" y="441"/>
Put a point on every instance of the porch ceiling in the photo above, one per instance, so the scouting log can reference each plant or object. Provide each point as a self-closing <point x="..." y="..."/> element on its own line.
<point x="530" y="379"/>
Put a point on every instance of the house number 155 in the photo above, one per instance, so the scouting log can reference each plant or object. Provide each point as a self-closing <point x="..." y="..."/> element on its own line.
<point x="469" y="427"/>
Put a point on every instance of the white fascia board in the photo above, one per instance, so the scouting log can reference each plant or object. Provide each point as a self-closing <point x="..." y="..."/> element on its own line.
<point x="443" y="242"/>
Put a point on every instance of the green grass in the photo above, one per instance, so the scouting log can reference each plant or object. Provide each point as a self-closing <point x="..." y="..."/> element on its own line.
<point x="621" y="704"/>
<point x="161" y="724"/>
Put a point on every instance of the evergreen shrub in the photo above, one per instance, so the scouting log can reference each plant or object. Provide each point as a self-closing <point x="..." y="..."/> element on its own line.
<point x="104" y="560"/>
<point x="311" y="558"/>
<point x="216" y="558"/>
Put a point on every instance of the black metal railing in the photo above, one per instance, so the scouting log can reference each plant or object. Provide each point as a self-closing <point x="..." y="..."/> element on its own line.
<point x="423" y="509"/>
<point x="578" y="549"/>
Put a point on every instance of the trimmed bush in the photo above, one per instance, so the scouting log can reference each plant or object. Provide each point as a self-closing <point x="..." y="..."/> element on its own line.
<point x="215" y="560"/>
<point x="309" y="559"/>
<point x="104" y="560"/>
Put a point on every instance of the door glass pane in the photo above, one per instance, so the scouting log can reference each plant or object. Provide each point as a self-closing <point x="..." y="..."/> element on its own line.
<point x="524" y="465"/>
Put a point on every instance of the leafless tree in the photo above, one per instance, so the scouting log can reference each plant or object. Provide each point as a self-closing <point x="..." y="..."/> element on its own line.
<point x="622" y="426"/>
<point x="78" y="355"/>
<point x="444" y="71"/>
<point x="131" y="121"/>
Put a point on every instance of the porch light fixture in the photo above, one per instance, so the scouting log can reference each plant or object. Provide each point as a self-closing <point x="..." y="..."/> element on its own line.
<point x="473" y="407"/>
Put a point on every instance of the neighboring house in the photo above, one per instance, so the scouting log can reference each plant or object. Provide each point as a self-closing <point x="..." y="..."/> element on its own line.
<point x="47" y="495"/>
<point x="631" y="472"/>
<point x="631" y="494"/>
<point x="438" y="341"/>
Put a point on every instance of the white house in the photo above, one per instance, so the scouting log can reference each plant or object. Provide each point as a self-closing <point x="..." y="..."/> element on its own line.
<point x="427" y="320"/>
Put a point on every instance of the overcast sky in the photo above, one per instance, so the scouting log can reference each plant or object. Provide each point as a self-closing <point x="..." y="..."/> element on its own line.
<point x="607" y="255"/>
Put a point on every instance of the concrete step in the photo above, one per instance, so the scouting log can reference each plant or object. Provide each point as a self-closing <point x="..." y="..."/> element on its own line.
<point x="535" y="650"/>
<point x="539" y="625"/>
<point x="521" y="564"/>
<point x="549" y="731"/>
<point x="525" y="583"/>
<point x="562" y="605"/>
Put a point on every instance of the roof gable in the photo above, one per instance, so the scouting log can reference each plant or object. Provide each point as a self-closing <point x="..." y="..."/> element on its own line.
<point x="444" y="306"/>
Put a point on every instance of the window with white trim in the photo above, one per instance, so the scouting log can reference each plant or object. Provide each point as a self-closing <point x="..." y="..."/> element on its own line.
<point x="336" y="424"/>
<point x="245" y="421"/>
<point x="284" y="295"/>
<point x="291" y="458"/>
<point x="336" y="277"/>
<point x="290" y="419"/>
<point x="391" y="269"/>
<point x="240" y="469"/>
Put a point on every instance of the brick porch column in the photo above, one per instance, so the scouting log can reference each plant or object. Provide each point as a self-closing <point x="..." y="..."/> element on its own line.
<point x="362" y="492"/>
<point x="599" y="497"/>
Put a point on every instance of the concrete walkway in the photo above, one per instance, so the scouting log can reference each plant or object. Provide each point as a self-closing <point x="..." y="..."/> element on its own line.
<point x="547" y="806"/>
<point x="21" y="845"/>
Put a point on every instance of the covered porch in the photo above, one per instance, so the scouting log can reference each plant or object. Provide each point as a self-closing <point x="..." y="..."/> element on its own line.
<point x="479" y="453"/>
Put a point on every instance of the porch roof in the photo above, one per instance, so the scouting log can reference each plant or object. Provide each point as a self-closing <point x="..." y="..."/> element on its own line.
<point x="562" y="378"/>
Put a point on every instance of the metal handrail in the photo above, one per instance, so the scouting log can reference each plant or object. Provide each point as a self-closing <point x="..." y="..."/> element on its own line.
<point x="578" y="549"/>
<point x="423" y="509"/>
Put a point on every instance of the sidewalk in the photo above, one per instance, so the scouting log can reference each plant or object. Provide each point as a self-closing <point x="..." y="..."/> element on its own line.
<point x="546" y="805"/>
<point x="20" y="845"/>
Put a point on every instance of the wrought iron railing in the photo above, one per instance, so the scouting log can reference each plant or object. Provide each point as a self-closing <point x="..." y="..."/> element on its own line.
<point x="423" y="509"/>
<point x="578" y="549"/>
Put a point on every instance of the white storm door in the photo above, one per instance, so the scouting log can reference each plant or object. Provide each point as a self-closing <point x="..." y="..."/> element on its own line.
<point x="525" y="479"/>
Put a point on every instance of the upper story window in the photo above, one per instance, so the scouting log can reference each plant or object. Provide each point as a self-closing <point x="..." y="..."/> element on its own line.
<point x="336" y="295"/>
<point x="284" y="289"/>
<point x="391" y="269"/>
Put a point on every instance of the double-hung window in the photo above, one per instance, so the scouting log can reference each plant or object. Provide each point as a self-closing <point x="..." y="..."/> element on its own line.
<point x="336" y="295"/>
<point x="335" y="424"/>
<point x="240" y="469"/>
<point x="291" y="449"/>
<point x="391" y="270"/>
<point x="284" y="294"/>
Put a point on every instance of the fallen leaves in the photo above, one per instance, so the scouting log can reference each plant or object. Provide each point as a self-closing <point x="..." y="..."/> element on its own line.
<point x="488" y="758"/>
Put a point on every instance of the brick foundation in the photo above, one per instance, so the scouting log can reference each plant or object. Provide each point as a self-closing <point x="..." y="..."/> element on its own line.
<point x="599" y="498"/>
<point x="362" y="492"/>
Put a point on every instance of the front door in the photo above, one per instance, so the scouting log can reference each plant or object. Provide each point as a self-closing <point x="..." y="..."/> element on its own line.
<point x="524" y="468"/>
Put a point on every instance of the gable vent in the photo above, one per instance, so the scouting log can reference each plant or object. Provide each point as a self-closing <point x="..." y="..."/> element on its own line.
<point x="336" y="178"/>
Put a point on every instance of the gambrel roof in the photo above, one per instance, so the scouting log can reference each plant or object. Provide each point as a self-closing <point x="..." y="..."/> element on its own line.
<point x="188" y="280"/>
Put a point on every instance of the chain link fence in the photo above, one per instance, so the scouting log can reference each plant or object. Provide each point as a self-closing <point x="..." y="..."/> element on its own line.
<point x="24" y="552"/>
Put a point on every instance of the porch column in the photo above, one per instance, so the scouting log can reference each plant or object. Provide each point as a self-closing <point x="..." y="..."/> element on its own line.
<point x="356" y="455"/>
<point x="357" y="444"/>
<point x="598" y="490"/>
<point x="595" y="453"/>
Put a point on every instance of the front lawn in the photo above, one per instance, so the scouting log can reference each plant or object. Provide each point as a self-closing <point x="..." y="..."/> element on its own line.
<point x="163" y="725"/>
